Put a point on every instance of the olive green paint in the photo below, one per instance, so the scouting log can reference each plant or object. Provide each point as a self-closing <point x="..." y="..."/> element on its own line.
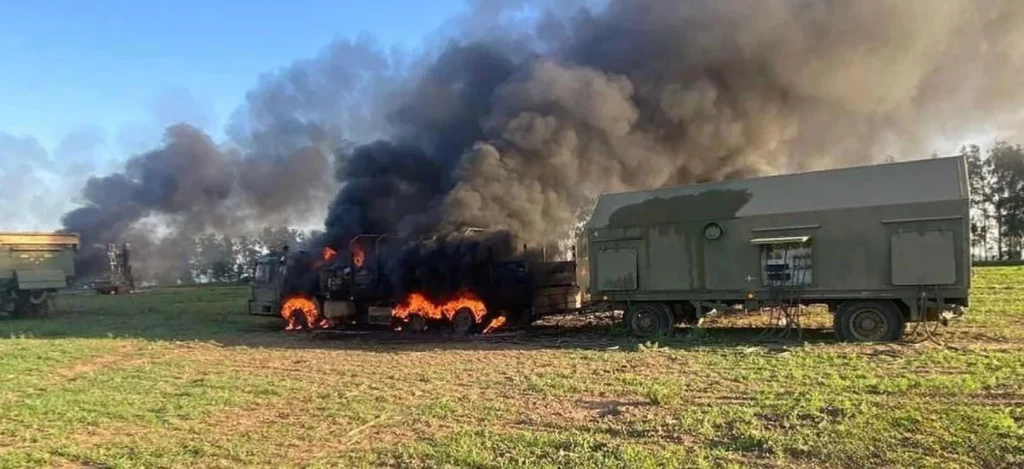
<point x="842" y="211"/>
<point x="710" y="204"/>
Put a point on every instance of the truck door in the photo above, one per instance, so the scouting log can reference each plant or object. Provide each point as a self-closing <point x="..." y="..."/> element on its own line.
<point x="266" y="289"/>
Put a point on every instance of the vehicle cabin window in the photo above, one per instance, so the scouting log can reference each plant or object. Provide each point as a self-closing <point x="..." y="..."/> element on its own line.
<point x="262" y="273"/>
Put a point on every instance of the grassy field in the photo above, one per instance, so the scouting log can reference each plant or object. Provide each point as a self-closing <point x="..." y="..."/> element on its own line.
<point x="183" y="378"/>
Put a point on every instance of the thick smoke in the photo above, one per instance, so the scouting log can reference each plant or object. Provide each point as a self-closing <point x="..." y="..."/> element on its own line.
<point x="275" y="170"/>
<point x="646" y="93"/>
<point x="525" y="111"/>
<point x="193" y="185"/>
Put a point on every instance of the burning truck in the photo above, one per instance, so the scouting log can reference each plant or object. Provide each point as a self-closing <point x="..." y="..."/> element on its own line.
<point x="387" y="281"/>
<point x="879" y="260"/>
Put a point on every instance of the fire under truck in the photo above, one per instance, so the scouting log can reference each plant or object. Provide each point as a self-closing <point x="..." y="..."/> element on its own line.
<point x="350" y="290"/>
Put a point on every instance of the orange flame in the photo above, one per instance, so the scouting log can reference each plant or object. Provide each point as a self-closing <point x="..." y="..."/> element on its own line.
<point x="417" y="303"/>
<point x="495" y="324"/>
<point x="301" y="312"/>
<point x="325" y="256"/>
<point x="358" y="256"/>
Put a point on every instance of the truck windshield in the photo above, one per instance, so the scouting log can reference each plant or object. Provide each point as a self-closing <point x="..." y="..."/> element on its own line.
<point x="262" y="273"/>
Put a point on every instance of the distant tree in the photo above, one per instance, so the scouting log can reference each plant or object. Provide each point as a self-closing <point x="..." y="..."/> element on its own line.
<point x="222" y="269"/>
<point x="208" y="251"/>
<point x="979" y="172"/>
<point x="246" y="251"/>
<point x="1007" y="167"/>
<point x="275" y="238"/>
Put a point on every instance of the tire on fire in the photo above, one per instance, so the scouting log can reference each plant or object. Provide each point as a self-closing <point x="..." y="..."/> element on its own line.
<point x="416" y="322"/>
<point x="463" y="321"/>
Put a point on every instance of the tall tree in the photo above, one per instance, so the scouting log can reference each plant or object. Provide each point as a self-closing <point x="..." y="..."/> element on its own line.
<point x="208" y="252"/>
<point x="247" y="252"/>
<point x="979" y="171"/>
<point x="1007" y="163"/>
<point x="276" y="238"/>
<point x="222" y="269"/>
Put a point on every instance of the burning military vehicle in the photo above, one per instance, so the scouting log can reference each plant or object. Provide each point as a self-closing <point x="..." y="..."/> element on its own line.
<point x="878" y="258"/>
<point x="118" y="279"/>
<point x="465" y="282"/>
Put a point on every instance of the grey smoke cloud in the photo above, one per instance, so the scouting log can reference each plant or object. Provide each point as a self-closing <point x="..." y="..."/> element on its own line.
<point x="651" y="93"/>
<point x="521" y="113"/>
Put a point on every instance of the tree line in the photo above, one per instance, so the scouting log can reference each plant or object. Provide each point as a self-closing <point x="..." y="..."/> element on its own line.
<point x="214" y="258"/>
<point x="996" y="183"/>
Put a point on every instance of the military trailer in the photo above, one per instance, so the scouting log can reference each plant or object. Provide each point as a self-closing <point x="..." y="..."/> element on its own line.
<point x="881" y="246"/>
<point x="34" y="266"/>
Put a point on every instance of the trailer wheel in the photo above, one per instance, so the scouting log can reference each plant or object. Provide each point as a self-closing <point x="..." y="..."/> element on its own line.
<point x="649" y="319"/>
<point x="463" y="321"/>
<point x="868" y="321"/>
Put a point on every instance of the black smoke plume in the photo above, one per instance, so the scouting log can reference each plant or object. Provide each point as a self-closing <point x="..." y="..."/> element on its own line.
<point x="521" y="132"/>
<point x="529" y="110"/>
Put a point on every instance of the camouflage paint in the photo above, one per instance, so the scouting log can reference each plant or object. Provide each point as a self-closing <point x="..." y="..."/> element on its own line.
<point x="850" y="232"/>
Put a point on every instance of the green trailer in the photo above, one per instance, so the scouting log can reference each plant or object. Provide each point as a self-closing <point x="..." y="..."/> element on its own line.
<point x="881" y="246"/>
<point x="34" y="266"/>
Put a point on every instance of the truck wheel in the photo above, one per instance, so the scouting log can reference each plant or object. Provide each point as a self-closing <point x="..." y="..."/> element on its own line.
<point x="649" y="319"/>
<point x="416" y="323"/>
<point x="43" y="308"/>
<point x="868" y="321"/>
<point x="463" y="321"/>
<point x="33" y="303"/>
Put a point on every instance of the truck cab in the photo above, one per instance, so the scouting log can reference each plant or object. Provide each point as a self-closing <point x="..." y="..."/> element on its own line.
<point x="267" y="285"/>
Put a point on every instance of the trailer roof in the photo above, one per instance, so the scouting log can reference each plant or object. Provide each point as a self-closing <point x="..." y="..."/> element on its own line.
<point x="907" y="182"/>
<point x="33" y="238"/>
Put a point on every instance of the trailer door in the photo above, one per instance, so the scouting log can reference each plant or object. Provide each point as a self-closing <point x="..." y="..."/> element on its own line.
<point x="923" y="258"/>
<point x="616" y="269"/>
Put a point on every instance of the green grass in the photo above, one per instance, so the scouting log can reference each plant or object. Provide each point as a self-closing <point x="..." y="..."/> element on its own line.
<point x="184" y="378"/>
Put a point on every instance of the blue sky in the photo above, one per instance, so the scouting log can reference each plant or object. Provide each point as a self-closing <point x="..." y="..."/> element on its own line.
<point x="124" y="67"/>
<point x="85" y="85"/>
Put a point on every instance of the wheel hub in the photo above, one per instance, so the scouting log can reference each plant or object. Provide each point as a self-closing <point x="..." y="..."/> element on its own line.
<point x="868" y="325"/>
<point x="646" y="321"/>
